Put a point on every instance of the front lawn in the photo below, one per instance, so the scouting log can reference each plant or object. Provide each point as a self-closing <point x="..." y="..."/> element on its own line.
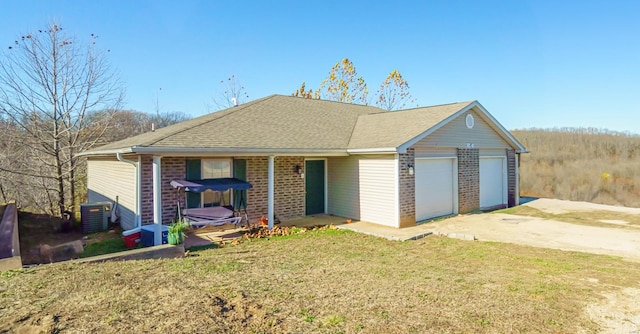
<point x="327" y="281"/>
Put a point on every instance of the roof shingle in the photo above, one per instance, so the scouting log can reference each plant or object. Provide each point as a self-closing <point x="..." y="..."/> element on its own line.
<point x="280" y="122"/>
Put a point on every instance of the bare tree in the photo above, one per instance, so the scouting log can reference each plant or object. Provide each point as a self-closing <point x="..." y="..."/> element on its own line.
<point x="232" y="93"/>
<point x="393" y="93"/>
<point x="163" y="118"/>
<point x="49" y="84"/>
<point x="343" y="84"/>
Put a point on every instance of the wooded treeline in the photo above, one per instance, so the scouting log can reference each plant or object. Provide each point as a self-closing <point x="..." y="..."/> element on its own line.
<point x="38" y="193"/>
<point x="581" y="164"/>
<point x="58" y="97"/>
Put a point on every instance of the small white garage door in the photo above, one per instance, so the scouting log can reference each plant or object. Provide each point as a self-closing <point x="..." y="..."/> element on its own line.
<point x="492" y="183"/>
<point x="434" y="184"/>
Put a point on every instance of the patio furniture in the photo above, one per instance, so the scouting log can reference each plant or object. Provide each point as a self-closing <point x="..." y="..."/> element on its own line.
<point x="214" y="215"/>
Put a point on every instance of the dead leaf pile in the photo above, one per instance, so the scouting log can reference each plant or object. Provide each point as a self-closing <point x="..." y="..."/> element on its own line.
<point x="259" y="232"/>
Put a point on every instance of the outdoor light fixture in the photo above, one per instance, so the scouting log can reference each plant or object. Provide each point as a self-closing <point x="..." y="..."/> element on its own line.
<point x="297" y="169"/>
<point x="410" y="167"/>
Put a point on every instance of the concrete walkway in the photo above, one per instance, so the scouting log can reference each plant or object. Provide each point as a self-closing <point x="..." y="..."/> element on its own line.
<point x="391" y="233"/>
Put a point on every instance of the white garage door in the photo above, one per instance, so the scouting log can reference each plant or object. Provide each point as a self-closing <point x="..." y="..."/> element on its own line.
<point x="435" y="194"/>
<point x="492" y="182"/>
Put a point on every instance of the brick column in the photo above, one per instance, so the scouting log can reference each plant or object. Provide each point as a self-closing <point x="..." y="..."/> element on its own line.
<point x="407" y="195"/>
<point x="172" y="169"/>
<point x="468" y="179"/>
<point x="146" y="188"/>
<point x="289" y="192"/>
<point x="257" y="169"/>
<point x="511" y="177"/>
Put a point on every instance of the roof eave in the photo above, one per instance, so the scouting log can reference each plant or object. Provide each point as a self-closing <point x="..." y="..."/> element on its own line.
<point x="224" y="151"/>
<point x="113" y="151"/>
<point x="379" y="150"/>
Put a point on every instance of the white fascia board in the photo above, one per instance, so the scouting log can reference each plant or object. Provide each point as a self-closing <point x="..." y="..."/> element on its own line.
<point x="125" y="150"/>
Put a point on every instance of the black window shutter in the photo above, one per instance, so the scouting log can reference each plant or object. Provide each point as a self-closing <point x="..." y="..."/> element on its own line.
<point x="194" y="172"/>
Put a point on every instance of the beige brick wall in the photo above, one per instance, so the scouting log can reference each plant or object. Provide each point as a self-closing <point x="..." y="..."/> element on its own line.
<point x="172" y="168"/>
<point x="407" y="189"/>
<point x="468" y="179"/>
<point x="257" y="169"/>
<point x="289" y="192"/>
<point x="289" y="188"/>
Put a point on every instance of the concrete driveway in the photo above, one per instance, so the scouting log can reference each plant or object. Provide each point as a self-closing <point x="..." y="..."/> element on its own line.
<point x="538" y="232"/>
<point x="531" y="231"/>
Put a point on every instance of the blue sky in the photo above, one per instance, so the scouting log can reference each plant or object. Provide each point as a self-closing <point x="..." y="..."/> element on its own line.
<point x="530" y="63"/>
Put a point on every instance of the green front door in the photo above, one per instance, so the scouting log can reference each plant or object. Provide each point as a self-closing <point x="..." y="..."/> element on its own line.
<point x="314" y="186"/>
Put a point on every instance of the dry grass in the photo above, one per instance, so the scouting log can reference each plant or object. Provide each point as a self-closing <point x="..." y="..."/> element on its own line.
<point x="591" y="218"/>
<point x="581" y="165"/>
<point x="327" y="281"/>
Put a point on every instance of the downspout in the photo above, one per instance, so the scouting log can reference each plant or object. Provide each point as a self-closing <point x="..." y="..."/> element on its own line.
<point x="136" y="165"/>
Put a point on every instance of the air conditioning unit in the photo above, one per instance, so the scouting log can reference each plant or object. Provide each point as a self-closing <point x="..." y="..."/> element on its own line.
<point x="95" y="217"/>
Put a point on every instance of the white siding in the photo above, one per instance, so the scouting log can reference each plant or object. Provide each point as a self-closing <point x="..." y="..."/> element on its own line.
<point x="456" y="134"/>
<point x="364" y="188"/>
<point x="108" y="178"/>
<point x="342" y="184"/>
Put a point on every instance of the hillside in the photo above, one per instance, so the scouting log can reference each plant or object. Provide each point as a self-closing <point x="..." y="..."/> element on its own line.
<point x="322" y="281"/>
<point x="581" y="164"/>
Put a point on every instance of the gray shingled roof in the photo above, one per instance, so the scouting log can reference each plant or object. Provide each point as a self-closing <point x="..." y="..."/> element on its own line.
<point x="392" y="129"/>
<point x="290" y="123"/>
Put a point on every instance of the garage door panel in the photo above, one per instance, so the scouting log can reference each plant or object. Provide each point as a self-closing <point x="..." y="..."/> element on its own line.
<point x="434" y="187"/>
<point x="492" y="184"/>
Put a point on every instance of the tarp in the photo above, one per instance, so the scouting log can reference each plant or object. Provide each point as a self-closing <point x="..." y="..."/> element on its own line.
<point x="198" y="186"/>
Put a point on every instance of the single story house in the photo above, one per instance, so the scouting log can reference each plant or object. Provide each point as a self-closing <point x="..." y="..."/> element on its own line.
<point x="306" y="157"/>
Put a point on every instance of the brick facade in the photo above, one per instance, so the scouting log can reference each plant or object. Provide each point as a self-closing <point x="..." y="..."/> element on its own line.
<point x="468" y="179"/>
<point x="407" y="189"/>
<point x="511" y="177"/>
<point x="172" y="169"/>
<point x="289" y="192"/>
<point x="289" y="188"/>
<point x="257" y="169"/>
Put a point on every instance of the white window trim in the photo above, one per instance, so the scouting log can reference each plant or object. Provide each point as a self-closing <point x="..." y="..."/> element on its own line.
<point x="202" y="160"/>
